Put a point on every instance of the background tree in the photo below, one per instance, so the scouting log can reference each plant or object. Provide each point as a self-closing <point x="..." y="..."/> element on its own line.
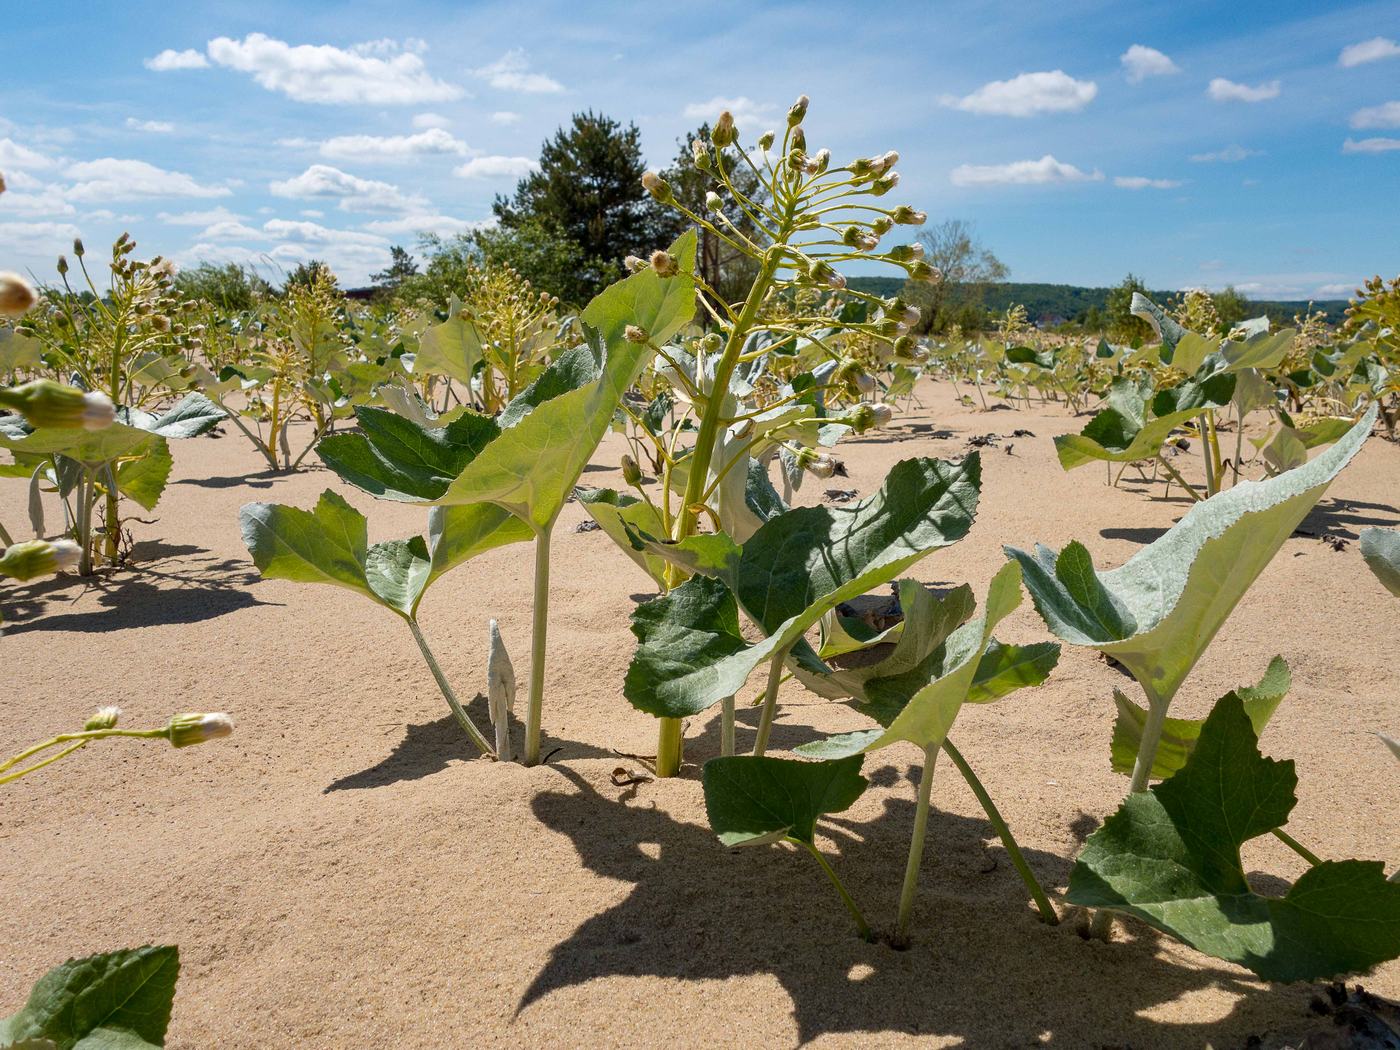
<point x="1123" y="327"/>
<point x="1232" y="307"/>
<point x="306" y="274"/>
<point x="232" y="288"/>
<point x="968" y="267"/>
<point x="589" y="189"/>
<point x="401" y="267"/>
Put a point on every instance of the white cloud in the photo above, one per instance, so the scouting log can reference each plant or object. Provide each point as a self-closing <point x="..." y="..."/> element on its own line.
<point x="158" y="127"/>
<point x="170" y="59"/>
<point x="504" y="116"/>
<point x="52" y="237"/>
<point x="13" y="155"/>
<point x="1341" y="289"/>
<point x="393" y="147"/>
<point x="1386" y="115"/>
<point x="411" y="225"/>
<point x="291" y="231"/>
<point x="1027" y="95"/>
<point x="1228" y="155"/>
<point x="1141" y="62"/>
<point x="1373" y="50"/>
<point x="511" y="72"/>
<point x="111" y="179"/>
<point x="495" y="168"/>
<point x="45" y="200"/>
<point x="227" y="230"/>
<point x="1223" y="90"/>
<point x="1021" y="173"/>
<point x="1372" y="145"/>
<point x="380" y="73"/>
<point x="747" y="113"/>
<point x="352" y="192"/>
<point x="198" y="218"/>
<point x="1141" y="182"/>
<point x="431" y="120"/>
<point x="313" y="213"/>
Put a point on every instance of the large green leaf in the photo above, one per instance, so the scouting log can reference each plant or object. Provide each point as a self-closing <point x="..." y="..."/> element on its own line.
<point x="329" y="544"/>
<point x="192" y="416"/>
<point x="1157" y="613"/>
<point x="1179" y="735"/>
<point x="1171" y="857"/>
<point x="116" y="1001"/>
<point x="532" y="467"/>
<point x="1123" y="432"/>
<point x="452" y="348"/>
<point x="144" y="479"/>
<point x="92" y="448"/>
<point x="796" y="568"/>
<point x="1381" y="549"/>
<point x="615" y="512"/>
<point x="395" y="458"/>
<point x="751" y="801"/>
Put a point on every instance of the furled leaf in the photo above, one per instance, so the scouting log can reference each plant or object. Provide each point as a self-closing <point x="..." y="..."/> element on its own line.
<point x="1171" y="857"/>
<point x="1162" y="323"/>
<point x="614" y="512"/>
<point x="116" y="1001"/>
<point x="395" y="458"/>
<point x="1157" y="613"/>
<point x="1179" y="735"/>
<point x="750" y="801"/>
<point x="802" y="564"/>
<point x="1381" y="549"/>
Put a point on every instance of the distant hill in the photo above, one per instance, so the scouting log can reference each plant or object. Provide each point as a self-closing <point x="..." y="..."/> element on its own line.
<point x="1072" y="302"/>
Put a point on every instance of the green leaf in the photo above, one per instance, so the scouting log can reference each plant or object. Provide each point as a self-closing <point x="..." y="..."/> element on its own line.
<point x="452" y="348"/>
<point x="614" y="512"/>
<point x="1179" y="735"/>
<point x="144" y="479"/>
<point x="1171" y="857"/>
<point x="1122" y="432"/>
<point x="329" y="544"/>
<point x="1162" y="323"/>
<point x="397" y="459"/>
<point x="1381" y="549"/>
<point x="92" y="448"/>
<point x="192" y="416"/>
<point x="533" y="466"/>
<point x="1157" y="613"/>
<point x="802" y="564"/>
<point x="750" y="801"/>
<point x="119" y="1000"/>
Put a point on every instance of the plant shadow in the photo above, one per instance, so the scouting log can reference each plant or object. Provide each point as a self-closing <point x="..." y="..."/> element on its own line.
<point x="982" y="968"/>
<point x="197" y="587"/>
<point x="1345" y="517"/>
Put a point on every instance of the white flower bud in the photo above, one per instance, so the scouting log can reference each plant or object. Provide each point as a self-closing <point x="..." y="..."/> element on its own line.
<point x="103" y="718"/>
<point x="724" y="132"/>
<point x="658" y="187"/>
<point x="907" y="216"/>
<point x="910" y="316"/>
<point x="192" y="728"/>
<point x="818" y="464"/>
<point x="765" y="141"/>
<point x="635" y="334"/>
<point x="48" y="404"/>
<point x="664" y="264"/>
<point x="66" y="555"/>
<point x="16" y="295"/>
<point x="713" y="201"/>
<point x="798" y="111"/>
<point x="634" y="264"/>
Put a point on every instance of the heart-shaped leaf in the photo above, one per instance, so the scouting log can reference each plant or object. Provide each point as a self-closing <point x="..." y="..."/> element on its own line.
<point x="752" y="801"/>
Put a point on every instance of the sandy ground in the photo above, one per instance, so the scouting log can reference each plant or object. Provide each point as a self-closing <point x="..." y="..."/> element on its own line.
<point x="342" y="873"/>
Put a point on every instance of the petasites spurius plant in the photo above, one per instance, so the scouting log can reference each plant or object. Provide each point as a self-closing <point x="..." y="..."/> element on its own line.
<point x="1157" y="613"/>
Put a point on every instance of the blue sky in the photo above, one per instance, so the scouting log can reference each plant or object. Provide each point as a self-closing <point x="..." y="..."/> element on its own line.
<point x="1195" y="144"/>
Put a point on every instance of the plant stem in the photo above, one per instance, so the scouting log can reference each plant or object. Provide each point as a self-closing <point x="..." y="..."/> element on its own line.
<point x="1297" y="847"/>
<point x="83" y="505"/>
<point x="1047" y="910"/>
<point x="669" y="748"/>
<point x="916" y="848"/>
<point x="1172" y="472"/>
<point x="463" y="719"/>
<point x="538" y="636"/>
<point x="726" y="726"/>
<point x="770" y="703"/>
<point x="77" y="742"/>
<point x="1204" y="431"/>
<point x="862" y="927"/>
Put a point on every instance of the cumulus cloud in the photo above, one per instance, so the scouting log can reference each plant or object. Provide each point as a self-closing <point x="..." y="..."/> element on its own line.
<point x="228" y="230"/>
<point x="412" y="225"/>
<point x="46" y="237"/>
<point x="1228" y="155"/>
<point x="158" y="127"/>
<point x="1141" y="62"/>
<point x="45" y="200"/>
<point x="511" y="72"/>
<point x="1142" y="182"/>
<point x="1372" y="145"/>
<point x="504" y="116"/>
<point x="13" y="155"/>
<point x="113" y="179"/>
<point x="1373" y="50"/>
<point x="1223" y="90"/>
<point x="1027" y="94"/>
<point x="431" y="120"/>
<point x="170" y="59"/>
<point x="745" y="110"/>
<point x="1040" y="172"/>
<point x="393" y="147"/>
<point x="1386" y="115"/>
<point x="351" y="192"/>
<point x="495" y="168"/>
<point x="198" y="218"/>
<point x="379" y="73"/>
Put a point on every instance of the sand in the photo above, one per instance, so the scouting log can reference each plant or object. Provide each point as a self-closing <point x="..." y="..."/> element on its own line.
<point x="342" y="872"/>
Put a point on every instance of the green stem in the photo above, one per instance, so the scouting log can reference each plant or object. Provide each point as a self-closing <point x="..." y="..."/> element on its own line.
<point x="770" y="703"/>
<point x="726" y="726"/>
<point x="538" y="636"/>
<point x="5" y="536"/>
<point x="1203" y="429"/>
<point x="670" y="748"/>
<point x="463" y="719"/>
<point x="1047" y="911"/>
<point x="78" y="741"/>
<point x="862" y="927"/>
<point x="82" y="504"/>
<point x="916" y="848"/>
<point x="1172" y="471"/>
<point x="1297" y="847"/>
